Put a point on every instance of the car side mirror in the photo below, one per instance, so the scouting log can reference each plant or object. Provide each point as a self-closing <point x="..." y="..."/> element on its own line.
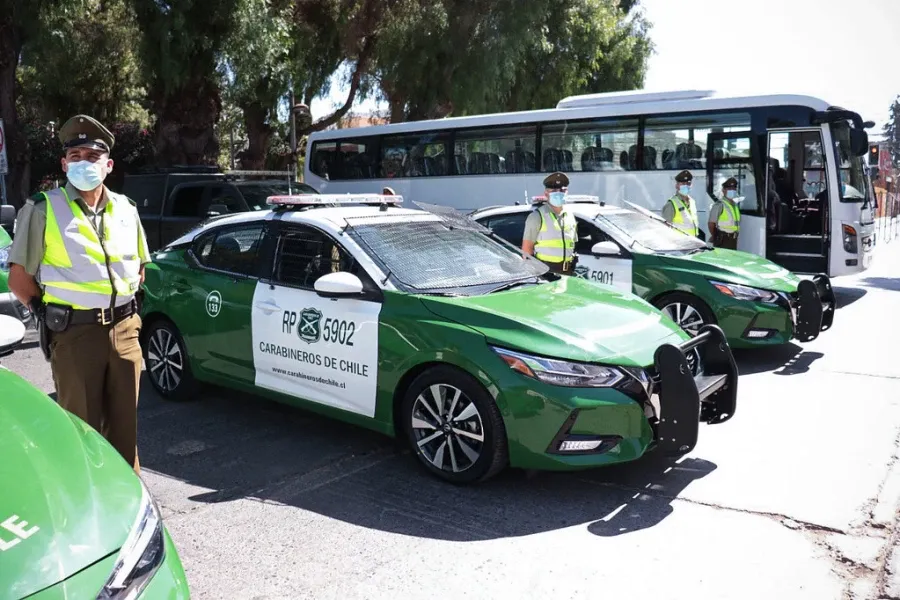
<point x="7" y="217"/>
<point x="215" y="210"/>
<point x="12" y="332"/>
<point x="605" y="249"/>
<point x="339" y="285"/>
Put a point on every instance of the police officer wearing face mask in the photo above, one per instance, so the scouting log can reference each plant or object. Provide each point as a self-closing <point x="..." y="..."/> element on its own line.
<point x="725" y="217"/>
<point x="78" y="260"/>
<point x="681" y="210"/>
<point x="550" y="230"/>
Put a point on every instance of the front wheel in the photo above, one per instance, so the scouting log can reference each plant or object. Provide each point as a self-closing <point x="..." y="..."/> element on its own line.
<point x="689" y="312"/>
<point x="167" y="363"/>
<point x="453" y="426"/>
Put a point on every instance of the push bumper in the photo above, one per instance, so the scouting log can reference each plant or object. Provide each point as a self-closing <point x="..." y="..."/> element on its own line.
<point x="813" y="309"/>
<point x="687" y="398"/>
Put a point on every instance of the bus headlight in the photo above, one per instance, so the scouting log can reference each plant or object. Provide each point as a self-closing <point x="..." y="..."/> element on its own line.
<point x="851" y="244"/>
<point x="744" y="292"/>
<point x="561" y="372"/>
<point x="141" y="555"/>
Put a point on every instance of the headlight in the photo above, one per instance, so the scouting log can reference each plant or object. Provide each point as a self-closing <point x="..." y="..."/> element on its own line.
<point x="561" y="372"/>
<point x="851" y="245"/>
<point x="141" y="554"/>
<point x="743" y="292"/>
<point x="4" y="259"/>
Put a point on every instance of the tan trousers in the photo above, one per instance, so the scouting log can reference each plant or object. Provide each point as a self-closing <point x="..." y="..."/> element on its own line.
<point x="97" y="371"/>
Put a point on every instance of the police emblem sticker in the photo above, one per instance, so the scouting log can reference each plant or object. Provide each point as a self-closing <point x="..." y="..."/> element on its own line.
<point x="213" y="303"/>
<point x="310" y="329"/>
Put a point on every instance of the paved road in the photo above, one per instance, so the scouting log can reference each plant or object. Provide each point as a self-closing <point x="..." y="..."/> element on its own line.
<point x="795" y="498"/>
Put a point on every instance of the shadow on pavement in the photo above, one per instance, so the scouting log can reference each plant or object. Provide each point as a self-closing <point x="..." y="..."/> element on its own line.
<point x="847" y="296"/>
<point x="234" y="446"/>
<point x="787" y="359"/>
<point x="891" y="284"/>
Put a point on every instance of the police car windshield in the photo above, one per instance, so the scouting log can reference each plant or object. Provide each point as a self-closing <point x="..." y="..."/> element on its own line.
<point x="256" y="192"/>
<point x="431" y="256"/>
<point x="649" y="233"/>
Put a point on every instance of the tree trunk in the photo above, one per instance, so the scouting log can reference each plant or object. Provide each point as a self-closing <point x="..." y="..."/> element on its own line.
<point x="258" y="135"/>
<point x="185" y="133"/>
<point x="15" y="141"/>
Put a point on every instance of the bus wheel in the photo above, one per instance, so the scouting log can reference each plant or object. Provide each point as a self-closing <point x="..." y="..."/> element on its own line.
<point x="168" y="367"/>
<point x="689" y="312"/>
<point x="453" y="426"/>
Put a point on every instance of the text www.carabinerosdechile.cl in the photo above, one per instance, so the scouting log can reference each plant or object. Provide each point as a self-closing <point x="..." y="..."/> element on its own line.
<point x="313" y="378"/>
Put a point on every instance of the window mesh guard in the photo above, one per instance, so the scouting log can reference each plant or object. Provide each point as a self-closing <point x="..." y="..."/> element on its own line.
<point x="432" y="254"/>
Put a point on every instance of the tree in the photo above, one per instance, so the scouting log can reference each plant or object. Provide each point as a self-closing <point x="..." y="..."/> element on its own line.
<point x="19" y="22"/>
<point x="181" y="50"/>
<point x="892" y="132"/>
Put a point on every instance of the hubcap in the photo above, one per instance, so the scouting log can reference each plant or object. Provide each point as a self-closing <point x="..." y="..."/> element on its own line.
<point x="686" y="316"/>
<point x="447" y="427"/>
<point x="164" y="360"/>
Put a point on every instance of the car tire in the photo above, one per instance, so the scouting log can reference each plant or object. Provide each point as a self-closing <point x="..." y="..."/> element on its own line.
<point x="688" y="311"/>
<point x="461" y="441"/>
<point x="167" y="364"/>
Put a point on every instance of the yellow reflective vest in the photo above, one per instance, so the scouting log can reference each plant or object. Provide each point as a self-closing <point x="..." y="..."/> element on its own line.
<point x="555" y="241"/>
<point x="80" y="270"/>
<point x="730" y="218"/>
<point x="685" y="218"/>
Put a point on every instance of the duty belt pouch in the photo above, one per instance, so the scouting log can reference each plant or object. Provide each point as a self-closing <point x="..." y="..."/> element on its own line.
<point x="58" y="317"/>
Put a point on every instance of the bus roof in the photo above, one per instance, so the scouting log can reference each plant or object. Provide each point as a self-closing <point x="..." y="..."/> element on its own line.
<point x="615" y="104"/>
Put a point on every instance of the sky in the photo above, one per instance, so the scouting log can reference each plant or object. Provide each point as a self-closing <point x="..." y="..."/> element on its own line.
<point x="847" y="53"/>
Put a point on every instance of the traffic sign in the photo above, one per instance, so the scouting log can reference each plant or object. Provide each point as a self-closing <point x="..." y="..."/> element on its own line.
<point x="4" y="165"/>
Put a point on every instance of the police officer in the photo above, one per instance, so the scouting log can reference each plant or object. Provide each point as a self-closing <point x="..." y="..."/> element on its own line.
<point x="725" y="217"/>
<point x="78" y="259"/>
<point x="550" y="230"/>
<point x="681" y="210"/>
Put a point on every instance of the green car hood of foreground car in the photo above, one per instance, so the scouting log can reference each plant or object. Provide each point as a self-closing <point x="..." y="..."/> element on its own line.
<point x="734" y="266"/>
<point x="76" y="494"/>
<point x="570" y="318"/>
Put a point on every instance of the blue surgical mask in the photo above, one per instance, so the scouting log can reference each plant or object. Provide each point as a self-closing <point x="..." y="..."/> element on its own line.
<point x="684" y="190"/>
<point x="85" y="175"/>
<point x="731" y="194"/>
<point x="557" y="198"/>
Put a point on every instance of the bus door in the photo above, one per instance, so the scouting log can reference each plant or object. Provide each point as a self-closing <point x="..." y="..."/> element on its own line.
<point x="796" y="200"/>
<point x="729" y="154"/>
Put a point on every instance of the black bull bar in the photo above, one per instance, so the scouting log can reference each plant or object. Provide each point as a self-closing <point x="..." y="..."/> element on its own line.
<point x="815" y="306"/>
<point x="686" y="399"/>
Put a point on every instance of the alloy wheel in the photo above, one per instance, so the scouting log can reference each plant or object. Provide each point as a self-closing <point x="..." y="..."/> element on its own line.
<point x="164" y="360"/>
<point x="685" y="316"/>
<point x="448" y="429"/>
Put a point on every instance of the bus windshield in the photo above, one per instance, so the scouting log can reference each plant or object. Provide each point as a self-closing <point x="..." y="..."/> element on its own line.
<point x="854" y="187"/>
<point x="650" y="233"/>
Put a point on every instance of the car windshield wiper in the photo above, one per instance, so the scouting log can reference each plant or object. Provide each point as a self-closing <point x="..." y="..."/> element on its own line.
<point x="511" y="284"/>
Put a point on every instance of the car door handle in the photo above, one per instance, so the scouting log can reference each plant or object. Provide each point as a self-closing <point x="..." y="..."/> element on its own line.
<point x="268" y="306"/>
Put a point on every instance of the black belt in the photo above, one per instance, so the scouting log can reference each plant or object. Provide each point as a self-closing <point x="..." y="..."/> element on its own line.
<point x="102" y="316"/>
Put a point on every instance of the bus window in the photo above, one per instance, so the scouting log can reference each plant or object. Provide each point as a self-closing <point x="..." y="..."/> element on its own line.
<point x="593" y="146"/>
<point x="421" y="155"/>
<point x="347" y="159"/>
<point x="729" y="155"/>
<point x="495" y="150"/>
<point x="677" y="143"/>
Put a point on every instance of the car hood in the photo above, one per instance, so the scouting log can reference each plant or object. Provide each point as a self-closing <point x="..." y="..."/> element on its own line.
<point x="58" y="475"/>
<point x="570" y="318"/>
<point x="744" y="268"/>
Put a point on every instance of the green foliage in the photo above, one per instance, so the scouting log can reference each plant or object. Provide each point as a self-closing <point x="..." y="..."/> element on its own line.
<point x="892" y="132"/>
<point x="84" y="60"/>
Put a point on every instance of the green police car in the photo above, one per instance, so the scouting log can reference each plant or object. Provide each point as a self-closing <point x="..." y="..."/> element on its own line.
<point x="416" y="326"/>
<point x="9" y="305"/>
<point x="755" y="301"/>
<point x="75" y="520"/>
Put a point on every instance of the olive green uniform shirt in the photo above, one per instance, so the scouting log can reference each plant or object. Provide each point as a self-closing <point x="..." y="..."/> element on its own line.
<point x="532" y="227"/>
<point x="28" y="245"/>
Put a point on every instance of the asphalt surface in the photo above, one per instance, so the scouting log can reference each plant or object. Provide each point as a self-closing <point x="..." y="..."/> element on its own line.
<point x="796" y="497"/>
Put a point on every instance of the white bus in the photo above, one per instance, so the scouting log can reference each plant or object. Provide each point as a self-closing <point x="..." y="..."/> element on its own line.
<point x="807" y="197"/>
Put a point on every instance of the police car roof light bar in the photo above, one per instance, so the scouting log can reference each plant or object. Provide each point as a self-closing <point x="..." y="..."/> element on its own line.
<point x="571" y="199"/>
<point x="301" y="200"/>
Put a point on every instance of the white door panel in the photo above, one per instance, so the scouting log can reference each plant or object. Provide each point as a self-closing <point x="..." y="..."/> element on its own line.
<point x="319" y="349"/>
<point x="615" y="272"/>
